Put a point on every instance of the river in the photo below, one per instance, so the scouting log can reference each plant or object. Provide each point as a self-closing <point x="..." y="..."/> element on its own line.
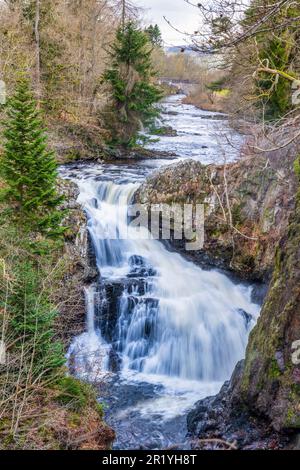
<point x="161" y="332"/>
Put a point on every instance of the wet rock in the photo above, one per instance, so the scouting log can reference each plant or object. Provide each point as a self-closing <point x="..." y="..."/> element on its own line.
<point x="246" y="316"/>
<point x="107" y="311"/>
<point x="259" y="292"/>
<point x="115" y="361"/>
<point x="270" y="384"/>
<point x="166" y="131"/>
<point x="140" y="267"/>
<point x="222" y="417"/>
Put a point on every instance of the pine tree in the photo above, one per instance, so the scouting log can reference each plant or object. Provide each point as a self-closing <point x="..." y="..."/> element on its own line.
<point x="33" y="318"/>
<point x="28" y="168"/>
<point x="154" y="35"/>
<point x="130" y="80"/>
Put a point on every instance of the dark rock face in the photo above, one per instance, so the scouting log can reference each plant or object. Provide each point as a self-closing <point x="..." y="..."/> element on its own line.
<point x="140" y="268"/>
<point x="224" y="418"/>
<point x="108" y="308"/>
<point x="109" y="305"/>
<point x="270" y="384"/>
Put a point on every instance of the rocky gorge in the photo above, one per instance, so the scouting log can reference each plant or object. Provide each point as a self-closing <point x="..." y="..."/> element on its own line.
<point x="249" y="213"/>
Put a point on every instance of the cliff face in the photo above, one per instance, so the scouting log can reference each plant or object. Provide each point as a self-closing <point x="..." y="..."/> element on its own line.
<point x="270" y="383"/>
<point x="259" y="408"/>
<point x="78" y="268"/>
<point x="247" y="207"/>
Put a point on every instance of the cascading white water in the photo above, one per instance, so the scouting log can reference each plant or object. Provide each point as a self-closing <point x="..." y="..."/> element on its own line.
<point x="88" y="354"/>
<point x="181" y="321"/>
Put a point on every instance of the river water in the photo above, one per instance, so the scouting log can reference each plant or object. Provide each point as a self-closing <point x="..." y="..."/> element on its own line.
<point x="161" y="332"/>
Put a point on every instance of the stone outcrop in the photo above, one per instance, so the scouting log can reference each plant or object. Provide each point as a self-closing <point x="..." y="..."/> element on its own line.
<point x="270" y="383"/>
<point x="222" y="421"/>
<point x="247" y="207"/>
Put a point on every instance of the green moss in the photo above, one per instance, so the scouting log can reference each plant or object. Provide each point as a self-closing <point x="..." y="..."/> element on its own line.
<point x="100" y="409"/>
<point x="292" y="419"/>
<point x="297" y="166"/>
<point x="75" y="394"/>
<point x="224" y="93"/>
<point x="295" y="390"/>
<point x="274" y="371"/>
<point x="277" y="264"/>
<point x="237" y="217"/>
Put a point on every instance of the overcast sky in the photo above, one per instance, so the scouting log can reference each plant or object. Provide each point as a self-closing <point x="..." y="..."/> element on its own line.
<point x="181" y="15"/>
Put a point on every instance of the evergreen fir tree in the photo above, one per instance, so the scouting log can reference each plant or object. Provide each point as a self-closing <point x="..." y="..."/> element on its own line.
<point x="130" y="80"/>
<point x="28" y="168"/>
<point x="154" y="35"/>
<point x="33" y="318"/>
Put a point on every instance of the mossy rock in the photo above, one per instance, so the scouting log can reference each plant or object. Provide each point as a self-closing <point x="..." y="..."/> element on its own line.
<point x="76" y="394"/>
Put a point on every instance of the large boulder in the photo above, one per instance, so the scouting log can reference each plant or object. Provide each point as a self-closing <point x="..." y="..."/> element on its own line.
<point x="247" y="207"/>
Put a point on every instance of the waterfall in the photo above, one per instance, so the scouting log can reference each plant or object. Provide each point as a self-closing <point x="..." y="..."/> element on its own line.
<point x="161" y="332"/>
<point x="174" y="319"/>
<point x="88" y="355"/>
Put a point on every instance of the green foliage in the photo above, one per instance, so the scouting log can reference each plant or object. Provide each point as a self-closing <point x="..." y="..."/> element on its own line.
<point x="297" y="167"/>
<point x="30" y="315"/>
<point x="278" y="93"/>
<point x="77" y="395"/>
<point x="277" y="47"/>
<point x="217" y="85"/>
<point x="154" y="35"/>
<point x="28" y="169"/>
<point x="133" y="94"/>
<point x="32" y="318"/>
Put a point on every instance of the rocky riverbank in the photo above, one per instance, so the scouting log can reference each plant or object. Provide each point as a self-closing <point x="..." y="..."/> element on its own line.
<point x="84" y="144"/>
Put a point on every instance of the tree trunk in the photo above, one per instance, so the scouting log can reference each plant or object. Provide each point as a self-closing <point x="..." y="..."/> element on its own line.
<point x="38" y="52"/>
<point x="123" y="13"/>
